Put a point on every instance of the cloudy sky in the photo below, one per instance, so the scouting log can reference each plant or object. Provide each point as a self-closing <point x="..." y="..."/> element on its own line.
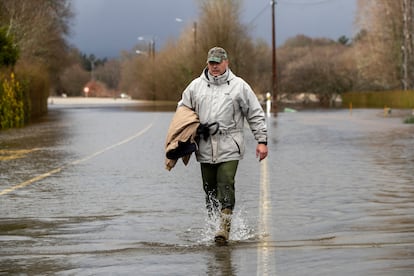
<point x="107" y="27"/>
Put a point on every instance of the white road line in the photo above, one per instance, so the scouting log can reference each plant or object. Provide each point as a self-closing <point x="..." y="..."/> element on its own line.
<point x="264" y="254"/>
<point x="54" y="171"/>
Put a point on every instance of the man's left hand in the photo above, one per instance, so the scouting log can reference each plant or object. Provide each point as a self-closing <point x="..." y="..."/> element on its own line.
<point x="261" y="151"/>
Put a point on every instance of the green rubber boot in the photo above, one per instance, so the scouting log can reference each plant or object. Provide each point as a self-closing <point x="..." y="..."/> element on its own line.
<point x="222" y="235"/>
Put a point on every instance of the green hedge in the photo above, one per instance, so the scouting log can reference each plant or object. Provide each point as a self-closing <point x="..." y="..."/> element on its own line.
<point x="14" y="107"/>
<point x="380" y="99"/>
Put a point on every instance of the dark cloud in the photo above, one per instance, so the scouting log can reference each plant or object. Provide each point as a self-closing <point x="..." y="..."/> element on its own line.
<point x="106" y="27"/>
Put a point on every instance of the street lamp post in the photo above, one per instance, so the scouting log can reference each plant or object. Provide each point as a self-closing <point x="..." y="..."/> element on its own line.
<point x="194" y="29"/>
<point x="151" y="46"/>
<point x="195" y="36"/>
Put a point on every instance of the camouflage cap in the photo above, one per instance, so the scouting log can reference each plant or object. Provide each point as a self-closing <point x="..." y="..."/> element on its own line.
<point x="216" y="54"/>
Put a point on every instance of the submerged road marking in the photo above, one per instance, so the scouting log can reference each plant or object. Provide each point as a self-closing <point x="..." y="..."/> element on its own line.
<point x="6" y="155"/>
<point x="54" y="171"/>
<point x="264" y="260"/>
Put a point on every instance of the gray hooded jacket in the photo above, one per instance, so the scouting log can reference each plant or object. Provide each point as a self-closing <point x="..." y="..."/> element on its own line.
<point x="227" y="100"/>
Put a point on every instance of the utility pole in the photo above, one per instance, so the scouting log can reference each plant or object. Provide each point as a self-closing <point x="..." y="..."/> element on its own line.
<point x="274" y="73"/>
<point x="92" y="61"/>
<point x="152" y="43"/>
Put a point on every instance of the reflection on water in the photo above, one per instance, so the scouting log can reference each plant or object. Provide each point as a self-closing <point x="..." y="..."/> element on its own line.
<point x="335" y="197"/>
<point x="221" y="262"/>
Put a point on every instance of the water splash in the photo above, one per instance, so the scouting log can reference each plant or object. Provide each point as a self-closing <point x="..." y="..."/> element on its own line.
<point x="241" y="228"/>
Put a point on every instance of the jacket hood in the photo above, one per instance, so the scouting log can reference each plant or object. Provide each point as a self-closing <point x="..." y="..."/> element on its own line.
<point x="226" y="77"/>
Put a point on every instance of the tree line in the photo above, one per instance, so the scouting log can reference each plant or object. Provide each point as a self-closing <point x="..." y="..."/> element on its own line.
<point x="378" y="57"/>
<point x="33" y="40"/>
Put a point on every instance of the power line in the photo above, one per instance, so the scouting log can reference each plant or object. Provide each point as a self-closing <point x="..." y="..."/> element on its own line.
<point x="259" y="14"/>
<point x="315" y="2"/>
<point x="292" y="2"/>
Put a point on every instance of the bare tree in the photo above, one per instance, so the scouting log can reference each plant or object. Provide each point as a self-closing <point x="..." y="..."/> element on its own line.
<point x="315" y="66"/>
<point x="384" y="52"/>
<point x="179" y="62"/>
<point x="73" y="80"/>
<point x="109" y="73"/>
<point x="220" y="24"/>
<point x="132" y="67"/>
<point x="40" y="29"/>
<point x="407" y="47"/>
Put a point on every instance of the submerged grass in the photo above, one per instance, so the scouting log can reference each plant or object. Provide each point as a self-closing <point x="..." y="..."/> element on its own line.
<point x="409" y="120"/>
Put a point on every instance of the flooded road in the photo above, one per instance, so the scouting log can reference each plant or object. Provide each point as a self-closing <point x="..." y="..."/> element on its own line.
<point x="84" y="192"/>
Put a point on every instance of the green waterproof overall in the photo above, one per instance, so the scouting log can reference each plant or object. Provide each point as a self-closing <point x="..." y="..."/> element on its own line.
<point x="218" y="184"/>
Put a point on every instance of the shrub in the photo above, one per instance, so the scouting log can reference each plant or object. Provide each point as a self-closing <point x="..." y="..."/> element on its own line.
<point x="37" y="86"/>
<point x="12" y="98"/>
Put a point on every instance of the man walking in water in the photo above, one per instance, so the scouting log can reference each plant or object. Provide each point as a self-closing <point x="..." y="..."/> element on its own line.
<point x="221" y="98"/>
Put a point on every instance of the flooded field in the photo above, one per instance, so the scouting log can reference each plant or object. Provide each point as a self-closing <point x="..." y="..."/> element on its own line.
<point x="84" y="192"/>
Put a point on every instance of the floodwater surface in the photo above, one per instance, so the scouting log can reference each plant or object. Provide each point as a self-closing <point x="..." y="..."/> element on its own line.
<point x="84" y="191"/>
